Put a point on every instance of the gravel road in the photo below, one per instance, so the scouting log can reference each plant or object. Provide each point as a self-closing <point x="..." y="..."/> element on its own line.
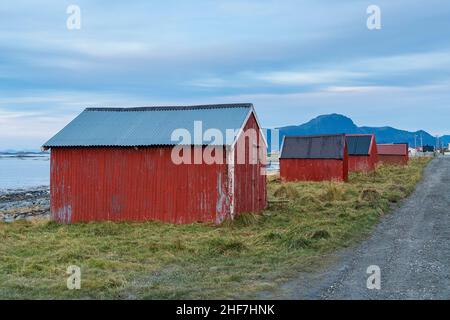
<point x="411" y="246"/>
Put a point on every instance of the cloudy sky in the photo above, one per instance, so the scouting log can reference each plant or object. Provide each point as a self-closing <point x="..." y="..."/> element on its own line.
<point x="293" y="59"/>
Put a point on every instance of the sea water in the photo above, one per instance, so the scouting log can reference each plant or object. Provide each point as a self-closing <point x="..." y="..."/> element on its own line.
<point x="24" y="171"/>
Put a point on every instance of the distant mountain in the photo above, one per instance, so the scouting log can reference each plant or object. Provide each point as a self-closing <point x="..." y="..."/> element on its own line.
<point x="337" y="123"/>
<point x="326" y="124"/>
<point x="23" y="151"/>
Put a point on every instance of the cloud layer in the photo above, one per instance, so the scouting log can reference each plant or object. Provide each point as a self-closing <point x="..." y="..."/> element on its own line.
<point x="292" y="59"/>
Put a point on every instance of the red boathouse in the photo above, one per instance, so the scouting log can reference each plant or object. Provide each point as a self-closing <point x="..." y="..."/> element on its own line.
<point x="314" y="158"/>
<point x="395" y="153"/>
<point x="362" y="152"/>
<point x="141" y="164"/>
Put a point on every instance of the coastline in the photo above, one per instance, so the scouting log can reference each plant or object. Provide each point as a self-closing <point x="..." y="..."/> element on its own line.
<point x="25" y="204"/>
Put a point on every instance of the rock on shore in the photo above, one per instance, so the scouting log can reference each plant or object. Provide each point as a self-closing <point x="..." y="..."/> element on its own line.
<point x="24" y="204"/>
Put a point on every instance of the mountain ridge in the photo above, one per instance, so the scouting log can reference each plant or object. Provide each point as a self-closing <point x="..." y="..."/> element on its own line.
<point x="337" y="123"/>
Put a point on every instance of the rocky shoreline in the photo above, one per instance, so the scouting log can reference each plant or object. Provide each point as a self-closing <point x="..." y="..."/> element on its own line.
<point x="25" y="204"/>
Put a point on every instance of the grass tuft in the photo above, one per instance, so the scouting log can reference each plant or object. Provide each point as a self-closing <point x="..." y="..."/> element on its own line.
<point x="226" y="247"/>
<point x="334" y="191"/>
<point x="320" y="234"/>
<point x="370" y="196"/>
<point x="287" y="191"/>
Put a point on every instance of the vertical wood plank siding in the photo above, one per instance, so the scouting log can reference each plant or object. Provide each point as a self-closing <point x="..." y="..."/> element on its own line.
<point x="250" y="181"/>
<point x="127" y="184"/>
<point x="364" y="163"/>
<point x="400" y="160"/>
<point x="315" y="169"/>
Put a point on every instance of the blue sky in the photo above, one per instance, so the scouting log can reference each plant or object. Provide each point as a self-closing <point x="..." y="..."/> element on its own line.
<point x="293" y="59"/>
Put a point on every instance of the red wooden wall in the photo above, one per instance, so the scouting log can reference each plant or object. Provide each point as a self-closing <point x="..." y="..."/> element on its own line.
<point x="393" y="159"/>
<point x="127" y="184"/>
<point x="250" y="181"/>
<point x="313" y="169"/>
<point x="364" y="163"/>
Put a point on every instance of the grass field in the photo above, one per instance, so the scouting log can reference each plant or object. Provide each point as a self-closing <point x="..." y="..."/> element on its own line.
<point x="237" y="259"/>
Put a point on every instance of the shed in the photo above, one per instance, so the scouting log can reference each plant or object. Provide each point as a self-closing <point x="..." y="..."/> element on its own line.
<point x="314" y="158"/>
<point x="178" y="164"/>
<point x="428" y="148"/>
<point x="362" y="152"/>
<point x="395" y="153"/>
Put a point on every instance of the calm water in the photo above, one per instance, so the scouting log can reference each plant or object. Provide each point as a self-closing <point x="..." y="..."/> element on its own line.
<point x="24" y="172"/>
<point x="27" y="172"/>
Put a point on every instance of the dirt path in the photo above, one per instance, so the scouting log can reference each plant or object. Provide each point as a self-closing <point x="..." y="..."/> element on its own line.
<point x="411" y="246"/>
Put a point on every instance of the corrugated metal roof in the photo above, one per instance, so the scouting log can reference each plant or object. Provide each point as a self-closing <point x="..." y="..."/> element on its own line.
<point x="359" y="145"/>
<point x="148" y="126"/>
<point x="396" y="149"/>
<point x="313" y="147"/>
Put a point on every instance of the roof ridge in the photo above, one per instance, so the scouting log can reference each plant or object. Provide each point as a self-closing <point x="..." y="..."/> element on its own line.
<point x="165" y="108"/>
<point x="122" y="128"/>
<point x="317" y="135"/>
<point x="393" y="144"/>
